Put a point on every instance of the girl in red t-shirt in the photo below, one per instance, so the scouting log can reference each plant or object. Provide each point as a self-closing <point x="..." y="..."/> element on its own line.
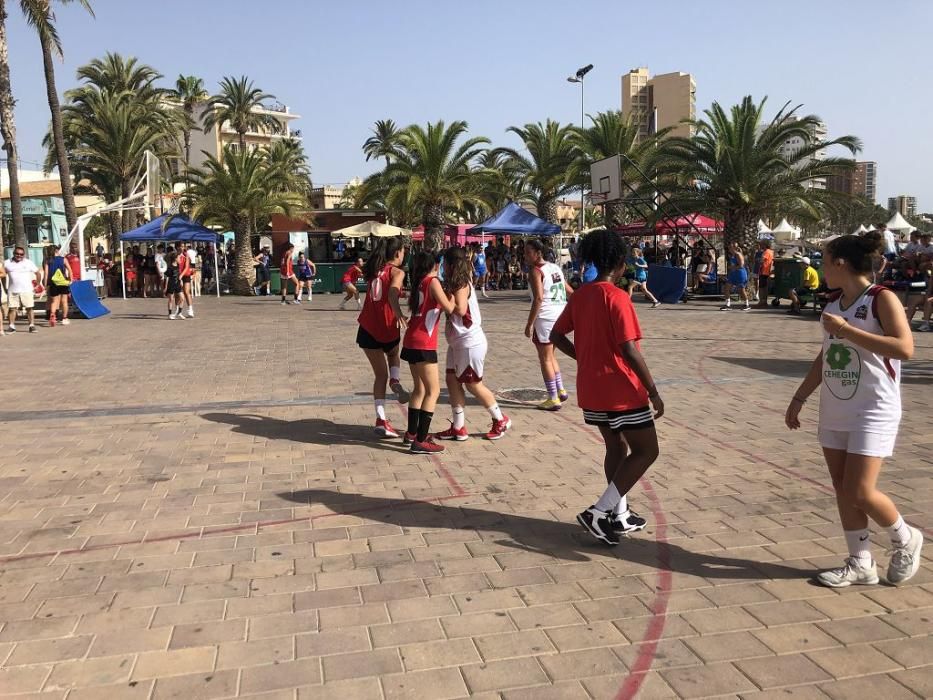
<point x="614" y="385"/>
<point x="380" y="323"/>
<point x="419" y="349"/>
<point x="349" y="284"/>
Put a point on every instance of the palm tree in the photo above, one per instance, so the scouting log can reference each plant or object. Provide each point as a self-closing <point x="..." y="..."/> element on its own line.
<point x="238" y="104"/>
<point x="611" y="133"/>
<point x="110" y="121"/>
<point x="8" y="132"/>
<point x="431" y="174"/>
<point x="499" y="182"/>
<point x="289" y="158"/>
<point x="548" y="168"/>
<point x="239" y="191"/>
<point x="39" y="14"/>
<point x="384" y="143"/>
<point x="189" y="91"/>
<point x="734" y="168"/>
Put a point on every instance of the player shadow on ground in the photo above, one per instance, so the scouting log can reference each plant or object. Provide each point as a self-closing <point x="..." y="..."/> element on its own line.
<point x="560" y="540"/>
<point x="315" y="431"/>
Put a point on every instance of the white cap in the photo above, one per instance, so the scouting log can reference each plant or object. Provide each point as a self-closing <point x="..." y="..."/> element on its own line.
<point x="805" y="261"/>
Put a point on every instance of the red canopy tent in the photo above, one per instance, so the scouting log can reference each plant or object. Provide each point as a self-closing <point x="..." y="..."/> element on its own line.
<point x="684" y="225"/>
<point x="454" y="234"/>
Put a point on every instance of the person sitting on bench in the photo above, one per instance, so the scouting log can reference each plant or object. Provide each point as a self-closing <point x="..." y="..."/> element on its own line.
<point x="811" y="281"/>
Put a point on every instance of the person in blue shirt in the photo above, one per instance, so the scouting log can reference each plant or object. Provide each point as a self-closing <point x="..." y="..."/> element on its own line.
<point x="480" y="272"/>
<point x="640" y="282"/>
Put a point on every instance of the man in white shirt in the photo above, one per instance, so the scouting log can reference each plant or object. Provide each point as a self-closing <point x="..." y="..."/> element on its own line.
<point x="890" y="244"/>
<point x="21" y="272"/>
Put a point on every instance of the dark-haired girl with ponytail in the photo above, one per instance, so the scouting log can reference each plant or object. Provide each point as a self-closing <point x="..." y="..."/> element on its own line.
<point x="858" y="371"/>
<point x="381" y="322"/>
<point x="419" y="349"/>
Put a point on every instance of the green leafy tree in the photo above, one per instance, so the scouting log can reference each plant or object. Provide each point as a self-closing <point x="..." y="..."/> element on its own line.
<point x="41" y="16"/>
<point x="609" y="134"/>
<point x="734" y="168"/>
<point x="8" y="132"/>
<point x="547" y="167"/>
<point x="384" y="143"/>
<point x="238" y="192"/>
<point x="109" y="122"/>
<point x="289" y="158"/>
<point x="431" y="175"/>
<point x="189" y="92"/>
<point x="239" y="103"/>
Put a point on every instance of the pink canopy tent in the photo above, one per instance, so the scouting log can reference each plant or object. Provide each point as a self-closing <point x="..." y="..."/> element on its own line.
<point x="454" y="234"/>
<point x="684" y="225"/>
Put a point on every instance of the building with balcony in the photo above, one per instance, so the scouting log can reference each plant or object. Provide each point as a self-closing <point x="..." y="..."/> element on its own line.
<point x="903" y="204"/>
<point x="334" y="196"/>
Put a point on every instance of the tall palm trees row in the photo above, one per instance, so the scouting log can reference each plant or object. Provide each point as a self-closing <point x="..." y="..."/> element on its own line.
<point x="735" y="167"/>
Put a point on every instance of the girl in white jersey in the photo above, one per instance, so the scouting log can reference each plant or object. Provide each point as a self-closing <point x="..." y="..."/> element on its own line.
<point x="549" y="292"/>
<point x="865" y="337"/>
<point x="466" y="350"/>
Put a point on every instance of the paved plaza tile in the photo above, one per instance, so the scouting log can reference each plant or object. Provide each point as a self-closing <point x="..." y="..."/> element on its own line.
<point x="199" y="509"/>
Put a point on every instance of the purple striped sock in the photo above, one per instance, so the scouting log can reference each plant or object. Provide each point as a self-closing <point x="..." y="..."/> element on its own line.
<point x="551" y="387"/>
<point x="559" y="381"/>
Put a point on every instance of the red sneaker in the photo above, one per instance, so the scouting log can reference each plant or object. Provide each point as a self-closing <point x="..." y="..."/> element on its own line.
<point x="452" y="433"/>
<point x="408" y="438"/>
<point x="428" y="447"/>
<point x="498" y="428"/>
<point x="384" y="429"/>
<point x="51" y="323"/>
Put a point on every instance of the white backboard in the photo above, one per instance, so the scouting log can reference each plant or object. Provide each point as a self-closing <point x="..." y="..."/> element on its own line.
<point x="606" y="179"/>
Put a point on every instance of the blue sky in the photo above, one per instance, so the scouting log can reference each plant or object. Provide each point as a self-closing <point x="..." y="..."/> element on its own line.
<point x="863" y="66"/>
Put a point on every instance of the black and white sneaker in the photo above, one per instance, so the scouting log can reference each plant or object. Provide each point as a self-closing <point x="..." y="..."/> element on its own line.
<point x="598" y="525"/>
<point x="725" y="307"/>
<point x="627" y="523"/>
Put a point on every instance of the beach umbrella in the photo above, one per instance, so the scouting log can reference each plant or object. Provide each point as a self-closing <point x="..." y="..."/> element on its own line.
<point x="371" y="228"/>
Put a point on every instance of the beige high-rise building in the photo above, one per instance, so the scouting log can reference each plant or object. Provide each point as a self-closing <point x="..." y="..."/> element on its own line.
<point x="671" y="96"/>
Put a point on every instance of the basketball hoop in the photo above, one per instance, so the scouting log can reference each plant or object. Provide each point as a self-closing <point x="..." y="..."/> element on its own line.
<point x="598" y="198"/>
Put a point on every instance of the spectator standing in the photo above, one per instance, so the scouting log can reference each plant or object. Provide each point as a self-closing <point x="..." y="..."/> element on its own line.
<point x="57" y="274"/>
<point x="764" y="262"/>
<point x="263" y="277"/>
<point x="21" y="274"/>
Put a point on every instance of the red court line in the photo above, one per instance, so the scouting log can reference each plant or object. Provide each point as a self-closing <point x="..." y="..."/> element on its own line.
<point x="648" y="646"/>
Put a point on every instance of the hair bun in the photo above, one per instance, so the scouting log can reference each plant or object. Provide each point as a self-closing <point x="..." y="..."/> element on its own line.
<point x="872" y="242"/>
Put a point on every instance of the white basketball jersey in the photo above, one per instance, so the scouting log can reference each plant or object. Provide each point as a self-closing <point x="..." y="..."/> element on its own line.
<point x="466" y="331"/>
<point x="860" y="389"/>
<point x="554" y="298"/>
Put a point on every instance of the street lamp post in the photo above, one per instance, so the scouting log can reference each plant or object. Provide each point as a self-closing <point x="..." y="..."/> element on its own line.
<point x="578" y="78"/>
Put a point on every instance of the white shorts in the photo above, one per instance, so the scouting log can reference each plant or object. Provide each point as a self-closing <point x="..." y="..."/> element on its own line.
<point x="466" y="364"/>
<point x="858" y="442"/>
<point x="542" y="330"/>
<point x="22" y="300"/>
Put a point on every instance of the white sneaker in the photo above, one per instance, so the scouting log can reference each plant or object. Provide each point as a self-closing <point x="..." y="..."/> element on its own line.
<point x="851" y="573"/>
<point x="343" y="305"/>
<point x="924" y="327"/>
<point x="66" y="322"/>
<point x="296" y="301"/>
<point x="906" y="559"/>
<point x="190" y="312"/>
<point x="172" y="316"/>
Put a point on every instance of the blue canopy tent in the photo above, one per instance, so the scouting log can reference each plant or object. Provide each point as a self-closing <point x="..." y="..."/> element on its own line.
<point x="515" y="220"/>
<point x="170" y="229"/>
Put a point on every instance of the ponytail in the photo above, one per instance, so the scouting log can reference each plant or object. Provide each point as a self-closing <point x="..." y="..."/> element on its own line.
<point x="421" y="264"/>
<point x="385" y="250"/>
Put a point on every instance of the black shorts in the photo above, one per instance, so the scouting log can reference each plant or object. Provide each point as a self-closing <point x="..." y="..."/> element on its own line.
<point x="262" y="275"/>
<point x="804" y="292"/>
<point x="302" y="278"/>
<point x="620" y="421"/>
<point x="57" y="290"/>
<point x="173" y="287"/>
<point x="413" y="356"/>
<point x="367" y="342"/>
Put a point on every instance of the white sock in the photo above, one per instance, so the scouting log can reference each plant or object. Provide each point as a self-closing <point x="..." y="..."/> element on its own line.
<point x="859" y="546"/>
<point x="495" y="412"/>
<point x="621" y="505"/>
<point x="608" y="500"/>
<point x="728" y="301"/>
<point x="899" y="532"/>
<point x="395" y="373"/>
<point x="298" y="296"/>
<point x="459" y="417"/>
<point x="380" y="409"/>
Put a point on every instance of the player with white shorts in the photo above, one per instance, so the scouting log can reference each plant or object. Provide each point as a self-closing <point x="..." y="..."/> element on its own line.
<point x="466" y="351"/>
<point x="549" y="292"/>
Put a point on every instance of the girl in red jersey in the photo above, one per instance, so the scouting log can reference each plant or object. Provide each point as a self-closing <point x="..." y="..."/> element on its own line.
<point x="419" y="349"/>
<point x="380" y="322"/>
<point x="466" y="350"/>
<point x="614" y="385"/>
<point x="287" y="273"/>
<point x="349" y="284"/>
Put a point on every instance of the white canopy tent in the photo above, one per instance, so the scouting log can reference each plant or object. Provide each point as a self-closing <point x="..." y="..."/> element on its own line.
<point x="371" y="228"/>
<point x="860" y="230"/>
<point x="785" y="232"/>
<point x="899" y="223"/>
